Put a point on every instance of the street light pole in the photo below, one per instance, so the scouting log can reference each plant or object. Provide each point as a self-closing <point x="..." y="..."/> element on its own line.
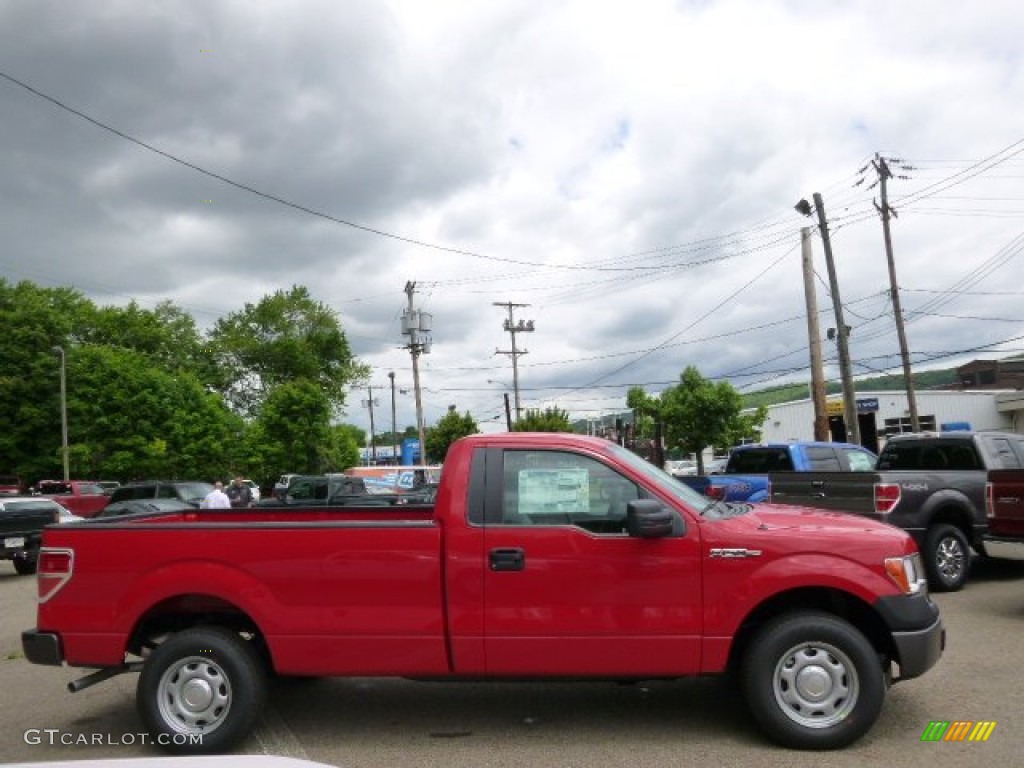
<point x="58" y="350"/>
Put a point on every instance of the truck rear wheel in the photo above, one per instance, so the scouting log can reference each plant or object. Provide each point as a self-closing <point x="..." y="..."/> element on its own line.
<point x="946" y="558"/>
<point x="813" y="681"/>
<point x="25" y="565"/>
<point x="201" y="691"/>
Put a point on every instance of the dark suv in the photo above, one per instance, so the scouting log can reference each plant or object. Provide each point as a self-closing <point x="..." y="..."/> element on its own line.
<point x="191" y="492"/>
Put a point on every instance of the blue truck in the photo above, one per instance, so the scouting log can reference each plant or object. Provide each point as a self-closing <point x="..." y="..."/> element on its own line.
<point x="746" y="474"/>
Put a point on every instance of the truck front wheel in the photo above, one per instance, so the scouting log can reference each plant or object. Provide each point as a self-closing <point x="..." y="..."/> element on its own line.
<point x="812" y="681"/>
<point x="201" y="691"/>
<point x="946" y="557"/>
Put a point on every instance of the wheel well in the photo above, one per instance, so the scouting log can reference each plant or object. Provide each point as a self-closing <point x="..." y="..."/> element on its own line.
<point x="185" y="611"/>
<point x="958" y="517"/>
<point x="834" y="601"/>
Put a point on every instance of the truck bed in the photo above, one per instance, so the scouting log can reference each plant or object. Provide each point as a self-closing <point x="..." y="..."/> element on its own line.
<point x="335" y="592"/>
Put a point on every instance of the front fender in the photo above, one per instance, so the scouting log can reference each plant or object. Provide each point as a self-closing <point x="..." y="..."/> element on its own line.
<point x="735" y="588"/>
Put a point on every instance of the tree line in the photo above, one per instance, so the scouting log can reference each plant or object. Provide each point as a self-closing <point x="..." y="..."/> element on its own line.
<point x="260" y="393"/>
<point x="149" y="395"/>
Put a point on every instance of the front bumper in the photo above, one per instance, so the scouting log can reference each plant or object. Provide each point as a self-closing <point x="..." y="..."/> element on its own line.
<point x="1010" y="549"/>
<point x="42" y="647"/>
<point x="917" y="632"/>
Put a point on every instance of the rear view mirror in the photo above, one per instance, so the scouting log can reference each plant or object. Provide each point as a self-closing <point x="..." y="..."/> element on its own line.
<point x="649" y="519"/>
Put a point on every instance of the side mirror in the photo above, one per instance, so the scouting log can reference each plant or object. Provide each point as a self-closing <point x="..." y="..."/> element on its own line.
<point x="649" y="519"/>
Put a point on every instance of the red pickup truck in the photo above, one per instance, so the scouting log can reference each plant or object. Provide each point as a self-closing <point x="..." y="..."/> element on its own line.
<point x="1004" y="506"/>
<point x="82" y="497"/>
<point x="544" y="556"/>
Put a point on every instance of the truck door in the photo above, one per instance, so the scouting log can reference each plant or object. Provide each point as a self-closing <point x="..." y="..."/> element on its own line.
<point x="566" y="590"/>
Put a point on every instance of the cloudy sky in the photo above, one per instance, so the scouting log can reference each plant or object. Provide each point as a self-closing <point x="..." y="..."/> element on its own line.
<point x="627" y="170"/>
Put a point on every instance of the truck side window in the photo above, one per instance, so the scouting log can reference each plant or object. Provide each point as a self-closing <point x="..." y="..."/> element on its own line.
<point x="962" y="457"/>
<point x="561" y="488"/>
<point x="820" y="459"/>
<point x="1001" y="453"/>
<point x="858" y="460"/>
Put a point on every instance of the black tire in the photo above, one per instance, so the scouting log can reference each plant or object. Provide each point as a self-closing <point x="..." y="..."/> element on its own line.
<point x="26" y="566"/>
<point x="947" y="558"/>
<point x="201" y="691"/>
<point x="812" y="681"/>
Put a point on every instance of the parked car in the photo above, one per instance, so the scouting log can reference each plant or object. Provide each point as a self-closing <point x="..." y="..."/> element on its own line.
<point x="189" y="491"/>
<point x="681" y="467"/>
<point x="108" y="486"/>
<point x="716" y="466"/>
<point x="281" y="486"/>
<point x="22" y="519"/>
<point x="11" y="485"/>
<point x="83" y="497"/>
<point x="142" y="506"/>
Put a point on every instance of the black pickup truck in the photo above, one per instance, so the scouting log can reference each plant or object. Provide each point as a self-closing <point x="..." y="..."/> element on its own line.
<point x="22" y="520"/>
<point x="930" y="484"/>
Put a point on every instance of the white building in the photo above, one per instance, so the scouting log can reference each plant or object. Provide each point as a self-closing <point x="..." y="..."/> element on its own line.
<point x="885" y="413"/>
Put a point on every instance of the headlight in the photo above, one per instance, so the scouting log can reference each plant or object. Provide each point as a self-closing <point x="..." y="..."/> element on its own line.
<point x="908" y="574"/>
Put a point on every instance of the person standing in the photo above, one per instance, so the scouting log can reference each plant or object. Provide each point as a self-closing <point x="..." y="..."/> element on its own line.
<point x="216" y="499"/>
<point x="239" y="493"/>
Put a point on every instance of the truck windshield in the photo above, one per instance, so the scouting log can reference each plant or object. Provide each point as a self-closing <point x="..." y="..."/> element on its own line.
<point x="663" y="480"/>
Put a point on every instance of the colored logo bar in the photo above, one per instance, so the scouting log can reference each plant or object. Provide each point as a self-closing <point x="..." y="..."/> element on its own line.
<point x="958" y="730"/>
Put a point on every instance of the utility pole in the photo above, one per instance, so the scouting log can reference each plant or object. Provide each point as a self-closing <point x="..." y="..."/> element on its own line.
<point x="508" y="413"/>
<point x="394" y="435"/>
<point x="369" y="403"/>
<point x="416" y="324"/>
<point x="821" y="431"/>
<point x="513" y="328"/>
<point x="842" y="329"/>
<point x="884" y="174"/>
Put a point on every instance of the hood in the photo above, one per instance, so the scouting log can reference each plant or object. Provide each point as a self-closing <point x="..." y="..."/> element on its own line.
<point x="821" y="528"/>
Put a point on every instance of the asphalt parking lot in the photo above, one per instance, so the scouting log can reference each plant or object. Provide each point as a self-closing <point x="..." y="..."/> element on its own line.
<point x="384" y="723"/>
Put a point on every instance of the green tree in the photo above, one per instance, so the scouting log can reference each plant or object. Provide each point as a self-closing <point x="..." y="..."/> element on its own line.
<point x="33" y="320"/>
<point x="286" y="337"/>
<point x="646" y="411"/>
<point x="699" y="413"/>
<point x="450" y="428"/>
<point x="128" y="419"/>
<point x="549" y="420"/>
<point x="293" y="429"/>
<point x="346" y="440"/>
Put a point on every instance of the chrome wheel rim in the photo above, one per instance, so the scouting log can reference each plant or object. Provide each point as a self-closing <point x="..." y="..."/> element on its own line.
<point x="816" y="685"/>
<point x="194" y="695"/>
<point x="950" y="558"/>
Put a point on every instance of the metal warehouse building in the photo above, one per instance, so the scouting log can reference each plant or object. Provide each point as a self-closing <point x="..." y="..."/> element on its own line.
<point x="880" y="414"/>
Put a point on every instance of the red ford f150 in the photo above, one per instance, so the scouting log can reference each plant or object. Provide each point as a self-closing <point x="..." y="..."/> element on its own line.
<point x="543" y="556"/>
